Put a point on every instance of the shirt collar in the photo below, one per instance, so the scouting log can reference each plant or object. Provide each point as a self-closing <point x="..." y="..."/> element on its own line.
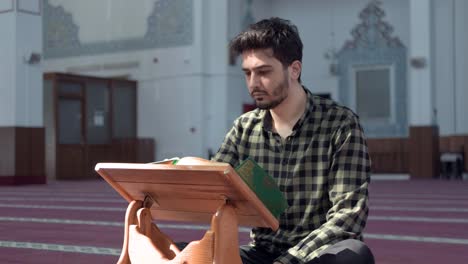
<point x="267" y="119"/>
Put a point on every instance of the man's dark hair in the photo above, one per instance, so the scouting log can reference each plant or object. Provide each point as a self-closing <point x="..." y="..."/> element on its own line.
<point x="278" y="34"/>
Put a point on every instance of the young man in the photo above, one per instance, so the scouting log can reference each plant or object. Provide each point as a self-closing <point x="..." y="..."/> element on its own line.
<point x="313" y="147"/>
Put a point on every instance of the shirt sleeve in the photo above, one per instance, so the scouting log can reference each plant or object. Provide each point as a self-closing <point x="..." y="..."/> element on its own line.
<point x="348" y="178"/>
<point x="228" y="150"/>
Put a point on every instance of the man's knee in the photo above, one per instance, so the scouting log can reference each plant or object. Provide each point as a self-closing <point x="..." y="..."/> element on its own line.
<point x="347" y="251"/>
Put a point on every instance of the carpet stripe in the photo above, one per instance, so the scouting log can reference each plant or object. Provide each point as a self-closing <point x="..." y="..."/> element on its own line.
<point x="418" y="201"/>
<point x="418" y="219"/>
<point x="421" y="196"/>
<point x="120" y="200"/>
<point x="61" y="248"/>
<point x="95" y="208"/>
<point x="442" y="240"/>
<point x="59" y="193"/>
<point x="60" y="221"/>
<point x="105" y="223"/>
<point x="205" y="227"/>
<point x="56" y="199"/>
<point x="116" y="252"/>
<point x="420" y="209"/>
<point x="68" y="207"/>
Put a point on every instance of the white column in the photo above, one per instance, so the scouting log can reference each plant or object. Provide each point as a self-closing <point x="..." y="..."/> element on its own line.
<point x="20" y="64"/>
<point x="461" y="66"/>
<point x="21" y="111"/>
<point x="421" y="91"/>
<point x="215" y="65"/>
<point x="28" y="59"/>
<point x="7" y="63"/>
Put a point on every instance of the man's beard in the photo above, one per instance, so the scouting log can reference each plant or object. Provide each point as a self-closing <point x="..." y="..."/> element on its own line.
<point x="279" y="91"/>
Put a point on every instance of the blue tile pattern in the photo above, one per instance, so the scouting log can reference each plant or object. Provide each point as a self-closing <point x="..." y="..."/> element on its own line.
<point x="170" y="24"/>
<point x="373" y="44"/>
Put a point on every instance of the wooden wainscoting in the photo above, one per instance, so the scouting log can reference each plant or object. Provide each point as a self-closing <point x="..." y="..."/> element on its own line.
<point x="145" y="150"/>
<point x="392" y="155"/>
<point x="389" y="155"/>
<point x="70" y="160"/>
<point x="424" y="152"/>
<point x="22" y="158"/>
<point x="96" y="154"/>
<point x="139" y="150"/>
<point x="80" y="162"/>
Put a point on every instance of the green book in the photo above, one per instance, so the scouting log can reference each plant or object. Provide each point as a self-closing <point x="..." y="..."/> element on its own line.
<point x="263" y="185"/>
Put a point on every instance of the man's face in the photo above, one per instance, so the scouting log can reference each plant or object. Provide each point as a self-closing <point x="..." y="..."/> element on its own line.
<point x="267" y="79"/>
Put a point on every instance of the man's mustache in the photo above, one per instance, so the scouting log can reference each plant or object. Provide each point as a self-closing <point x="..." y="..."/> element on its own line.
<point x="258" y="91"/>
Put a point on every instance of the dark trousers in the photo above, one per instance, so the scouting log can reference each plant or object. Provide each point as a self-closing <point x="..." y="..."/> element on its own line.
<point x="350" y="251"/>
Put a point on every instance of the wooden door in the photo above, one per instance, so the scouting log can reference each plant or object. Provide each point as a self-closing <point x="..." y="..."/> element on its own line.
<point x="70" y="131"/>
<point x="98" y="145"/>
<point x="90" y="120"/>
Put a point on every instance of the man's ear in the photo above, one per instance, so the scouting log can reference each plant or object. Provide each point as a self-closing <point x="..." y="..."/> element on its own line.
<point x="295" y="69"/>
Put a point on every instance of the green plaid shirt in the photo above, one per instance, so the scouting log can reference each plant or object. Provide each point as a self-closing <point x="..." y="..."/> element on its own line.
<point x="322" y="168"/>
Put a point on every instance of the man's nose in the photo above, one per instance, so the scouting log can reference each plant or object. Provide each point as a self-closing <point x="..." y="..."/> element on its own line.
<point x="253" y="81"/>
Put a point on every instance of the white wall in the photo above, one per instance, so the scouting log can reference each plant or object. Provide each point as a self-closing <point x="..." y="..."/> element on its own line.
<point x="7" y="72"/>
<point x="29" y="91"/>
<point x="237" y="89"/>
<point x="420" y="88"/>
<point x="461" y="64"/>
<point x="444" y="67"/>
<point x="21" y="83"/>
<point x="173" y="116"/>
<point x="450" y="62"/>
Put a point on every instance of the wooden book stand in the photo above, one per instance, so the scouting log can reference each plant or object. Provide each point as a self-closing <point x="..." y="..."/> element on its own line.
<point x="196" y="192"/>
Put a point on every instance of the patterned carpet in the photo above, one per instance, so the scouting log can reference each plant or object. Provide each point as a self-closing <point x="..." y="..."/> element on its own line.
<point x="411" y="221"/>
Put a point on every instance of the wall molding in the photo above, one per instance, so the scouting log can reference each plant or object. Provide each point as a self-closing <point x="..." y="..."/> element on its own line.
<point x="24" y="9"/>
<point x="6" y="9"/>
<point x="104" y="67"/>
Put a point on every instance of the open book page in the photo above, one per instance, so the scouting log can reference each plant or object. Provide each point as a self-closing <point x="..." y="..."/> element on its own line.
<point x="188" y="161"/>
<point x="173" y="160"/>
<point x="197" y="161"/>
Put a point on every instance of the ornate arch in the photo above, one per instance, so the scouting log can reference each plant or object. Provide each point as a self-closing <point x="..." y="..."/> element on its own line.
<point x="374" y="46"/>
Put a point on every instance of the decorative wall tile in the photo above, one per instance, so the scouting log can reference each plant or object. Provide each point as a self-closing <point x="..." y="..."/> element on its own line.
<point x="372" y="44"/>
<point x="170" y="24"/>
